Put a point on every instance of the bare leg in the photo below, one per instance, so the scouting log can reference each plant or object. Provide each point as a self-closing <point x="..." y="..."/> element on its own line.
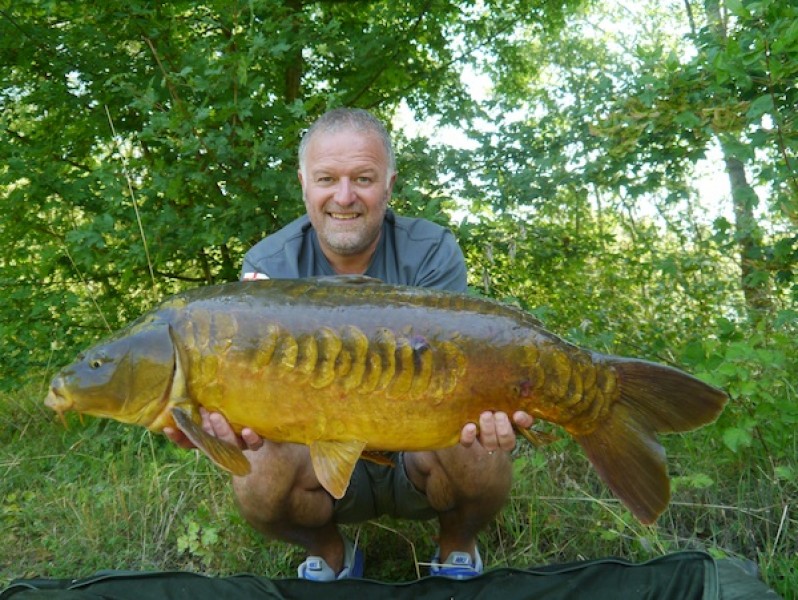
<point x="282" y="499"/>
<point x="466" y="486"/>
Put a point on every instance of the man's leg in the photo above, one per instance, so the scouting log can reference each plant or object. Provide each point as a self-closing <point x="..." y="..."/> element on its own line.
<point x="282" y="499"/>
<point x="467" y="487"/>
<point x="468" y="484"/>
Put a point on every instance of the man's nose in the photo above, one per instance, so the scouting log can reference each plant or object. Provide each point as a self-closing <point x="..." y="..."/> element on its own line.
<point x="345" y="191"/>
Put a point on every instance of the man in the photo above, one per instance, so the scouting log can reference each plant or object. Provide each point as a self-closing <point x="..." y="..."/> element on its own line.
<point x="347" y="172"/>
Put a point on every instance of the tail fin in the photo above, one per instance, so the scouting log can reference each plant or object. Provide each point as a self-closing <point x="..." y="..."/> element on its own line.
<point x="624" y="449"/>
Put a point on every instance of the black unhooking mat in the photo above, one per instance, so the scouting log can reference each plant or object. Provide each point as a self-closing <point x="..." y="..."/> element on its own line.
<point x="678" y="576"/>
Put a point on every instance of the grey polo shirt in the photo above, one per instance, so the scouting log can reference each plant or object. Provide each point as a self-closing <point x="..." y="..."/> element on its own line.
<point x="410" y="252"/>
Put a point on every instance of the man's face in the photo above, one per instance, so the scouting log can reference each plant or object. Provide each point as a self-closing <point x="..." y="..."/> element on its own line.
<point x="346" y="187"/>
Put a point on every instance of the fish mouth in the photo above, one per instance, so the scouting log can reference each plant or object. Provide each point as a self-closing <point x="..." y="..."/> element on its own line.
<point x="58" y="403"/>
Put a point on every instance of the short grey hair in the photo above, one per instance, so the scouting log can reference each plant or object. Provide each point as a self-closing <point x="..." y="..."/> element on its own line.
<point x="340" y="119"/>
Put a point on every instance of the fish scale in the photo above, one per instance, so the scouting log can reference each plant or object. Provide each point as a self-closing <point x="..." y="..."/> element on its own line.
<point x="329" y="349"/>
<point x="346" y="365"/>
<point x="397" y="364"/>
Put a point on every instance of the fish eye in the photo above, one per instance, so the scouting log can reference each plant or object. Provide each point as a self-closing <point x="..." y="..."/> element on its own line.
<point x="96" y="363"/>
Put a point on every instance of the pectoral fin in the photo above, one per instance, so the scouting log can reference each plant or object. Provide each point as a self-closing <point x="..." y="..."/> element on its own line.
<point x="537" y="438"/>
<point x="333" y="463"/>
<point x="228" y="457"/>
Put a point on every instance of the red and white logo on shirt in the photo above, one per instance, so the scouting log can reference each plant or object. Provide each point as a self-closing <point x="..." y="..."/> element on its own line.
<point x="254" y="276"/>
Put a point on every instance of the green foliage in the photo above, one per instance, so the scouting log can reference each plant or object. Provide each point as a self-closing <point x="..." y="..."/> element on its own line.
<point x="755" y="366"/>
<point x="98" y="495"/>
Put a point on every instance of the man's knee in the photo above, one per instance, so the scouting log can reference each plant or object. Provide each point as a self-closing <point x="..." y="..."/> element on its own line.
<point x="455" y="475"/>
<point x="281" y="485"/>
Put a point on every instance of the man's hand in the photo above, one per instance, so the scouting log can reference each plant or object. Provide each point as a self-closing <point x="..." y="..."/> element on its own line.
<point x="216" y="425"/>
<point x="495" y="430"/>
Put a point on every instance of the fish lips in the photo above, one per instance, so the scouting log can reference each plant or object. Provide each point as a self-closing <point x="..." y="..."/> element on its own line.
<point x="56" y="400"/>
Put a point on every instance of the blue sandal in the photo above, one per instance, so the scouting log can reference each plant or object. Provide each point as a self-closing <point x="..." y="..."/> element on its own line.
<point x="459" y="565"/>
<point x="315" y="568"/>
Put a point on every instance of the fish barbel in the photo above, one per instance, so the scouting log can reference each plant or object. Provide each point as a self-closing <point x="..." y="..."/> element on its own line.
<point x="348" y="365"/>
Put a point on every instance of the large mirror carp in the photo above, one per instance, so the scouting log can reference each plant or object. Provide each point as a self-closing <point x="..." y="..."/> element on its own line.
<point x="348" y="365"/>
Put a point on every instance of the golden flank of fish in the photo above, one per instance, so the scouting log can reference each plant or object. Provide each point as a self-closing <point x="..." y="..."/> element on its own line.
<point x="349" y="365"/>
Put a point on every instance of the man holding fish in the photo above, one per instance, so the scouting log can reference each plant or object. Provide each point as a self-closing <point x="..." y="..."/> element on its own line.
<point x="347" y="172"/>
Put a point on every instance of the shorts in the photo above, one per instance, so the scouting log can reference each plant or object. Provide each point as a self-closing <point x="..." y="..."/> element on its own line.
<point x="376" y="490"/>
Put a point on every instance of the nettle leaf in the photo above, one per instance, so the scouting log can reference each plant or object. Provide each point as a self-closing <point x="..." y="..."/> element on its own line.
<point x="736" y="439"/>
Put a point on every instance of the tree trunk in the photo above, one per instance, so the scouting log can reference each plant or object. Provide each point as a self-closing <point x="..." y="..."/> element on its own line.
<point x="295" y="67"/>
<point x="754" y="280"/>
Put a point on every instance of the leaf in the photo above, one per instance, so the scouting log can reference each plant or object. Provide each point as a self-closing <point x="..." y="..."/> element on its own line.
<point x="785" y="472"/>
<point x="717" y="553"/>
<point x="688" y="119"/>
<point x="697" y="481"/>
<point x="701" y="481"/>
<point x="694" y="353"/>
<point x="736" y="439"/>
<point x="209" y="537"/>
<point x="760" y="106"/>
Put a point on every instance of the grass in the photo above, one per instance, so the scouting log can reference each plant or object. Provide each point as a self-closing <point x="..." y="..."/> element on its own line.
<point x="100" y="495"/>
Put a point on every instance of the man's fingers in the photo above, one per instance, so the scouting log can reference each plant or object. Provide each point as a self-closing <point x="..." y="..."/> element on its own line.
<point x="206" y="421"/>
<point x="216" y="425"/>
<point x="488" y="431"/>
<point x="252" y="440"/>
<point x="523" y="420"/>
<point x="495" y="431"/>
<point x="178" y="438"/>
<point x="505" y="433"/>
<point x="222" y="430"/>
<point x="468" y="435"/>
